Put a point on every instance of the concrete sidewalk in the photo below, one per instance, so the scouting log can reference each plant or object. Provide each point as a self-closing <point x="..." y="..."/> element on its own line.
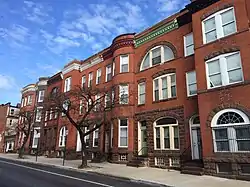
<point x="161" y="176"/>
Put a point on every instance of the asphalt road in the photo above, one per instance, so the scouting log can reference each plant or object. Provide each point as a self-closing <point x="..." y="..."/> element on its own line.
<point x="16" y="174"/>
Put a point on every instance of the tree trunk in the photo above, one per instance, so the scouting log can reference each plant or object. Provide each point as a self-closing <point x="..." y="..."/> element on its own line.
<point x="21" y="149"/>
<point x="84" y="152"/>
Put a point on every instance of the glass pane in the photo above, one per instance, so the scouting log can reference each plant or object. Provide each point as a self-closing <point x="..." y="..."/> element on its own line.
<point x="176" y="132"/>
<point x="145" y="63"/>
<point x="211" y="36"/>
<point x="164" y="93"/>
<point x="166" y="138"/>
<point x="235" y="76"/>
<point x="156" y="84"/>
<point x="156" y="52"/>
<point x="243" y="133"/>
<point x="233" y="61"/>
<point x="125" y="68"/>
<point x="172" y="78"/>
<point x="157" y="132"/>
<point x="166" y="132"/>
<point x="227" y="16"/>
<point x="164" y="82"/>
<point x="123" y="132"/>
<point x="168" y="54"/>
<point x="229" y="29"/>
<point x="190" y="50"/>
<point x="191" y="77"/>
<point x="156" y="95"/>
<point x="173" y="91"/>
<point x="221" y="134"/>
<point x="222" y="145"/>
<point x="189" y="39"/>
<point x="142" y="88"/>
<point x="213" y="67"/>
<point x="123" y="122"/>
<point x="176" y="143"/>
<point x="158" y="143"/>
<point x="243" y="145"/>
<point x="156" y="60"/>
<point x="209" y="24"/>
<point x="123" y="141"/>
<point x="192" y="89"/>
<point x="142" y="99"/>
<point x="215" y="80"/>
<point x="165" y="121"/>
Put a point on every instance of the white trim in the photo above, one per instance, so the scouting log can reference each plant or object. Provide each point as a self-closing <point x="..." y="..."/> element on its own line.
<point x="62" y="136"/>
<point x="91" y="63"/>
<point x="29" y="88"/>
<point x="94" y="133"/>
<point x="192" y="125"/>
<point x="119" y="129"/>
<point x="41" y="93"/>
<point x="70" y="68"/>
<point x="67" y="84"/>
<point x="124" y="56"/>
<point x="218" y="24"/>
<point x="42" y="83"/>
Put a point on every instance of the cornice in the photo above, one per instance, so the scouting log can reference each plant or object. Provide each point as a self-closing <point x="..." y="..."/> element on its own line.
<point x="92" y="62"/>
<point x="29" y="88"/>
<point x="71" y="67"/>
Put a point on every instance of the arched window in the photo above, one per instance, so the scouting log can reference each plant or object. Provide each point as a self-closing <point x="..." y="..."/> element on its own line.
<point x="62" y="137"/>
<point x="157" y="55"/>
<point x="231" y="131"/>
<point x="166" y="134"/>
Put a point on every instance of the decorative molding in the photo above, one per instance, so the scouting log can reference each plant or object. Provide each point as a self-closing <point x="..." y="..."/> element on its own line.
<point x="42" y="83"/>
<point x="122" y="43"/>
<point x="92" y="62"/>
<point x="156" y="33"/>
<point x="161" y="43"/>
<point x="222" y="51"/>
<point x="141" y="80"/>
<point x="71" y="67"/>
<point x="163" y="72"/>
<point x="29" y="88"/>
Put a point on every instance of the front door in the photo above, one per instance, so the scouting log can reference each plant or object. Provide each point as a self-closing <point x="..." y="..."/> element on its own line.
<point x="196" y="143"/>
<point x="144" y="150"/>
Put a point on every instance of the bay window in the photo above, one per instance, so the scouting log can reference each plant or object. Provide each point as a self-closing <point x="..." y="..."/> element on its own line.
<point x="164" y="87"/>
<point x="224" y="70"/>
<point x="218" y="25"/>
<point x="166" y="134"/>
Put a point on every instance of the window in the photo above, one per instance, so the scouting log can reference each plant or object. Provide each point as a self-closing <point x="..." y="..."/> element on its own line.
<point x="219" y="25"/>
<point x="83" y="81"/>
<point x="38" y="114"/>
<point x="124" y="63"/>
<point x="87" y="137"/>
<point x="62" y="137"/>
<point x="56" y="113"/>
<point x="113" y="69"/>
<point x="123" y="132"/>
<point x="224" y="168"/>
<point x="12" y="111"/>
<point x="98" y="102"/>
<point x="245" y="168"/>
<point x="108" y="72"/>
<point x="189" y="44"/>
<point x="25" y="101"/>
<point x="22" y="102"/>
<point x="224" y="70"/>
<point x="10" y="122"/>
<point x="81" y="107"/>
<point x="95" y="138"/>
<point x="40" y="96"/>
<point x="36" y="137"/>
<point x="54" y="91"/>
<point x="141" y="93"/>
<point x="29" y="100"/>
<point x="166" y="133"/>
<point x="123" y="94"/>
<point x="108" y="100"/>
<point x="65" y="106"/>
<point x="51" y="114"/>
<point x="46" y="115"/>
<point x="231" y="131"/>
<point x="157" y="55"/>
<point x="191" y="83"/>
<point x="164" y="87"/>
<point x="111" y="135"/>
<point x="67" y="84"/>
<point x="98" y="76"/>
<point x="90" y="79"/>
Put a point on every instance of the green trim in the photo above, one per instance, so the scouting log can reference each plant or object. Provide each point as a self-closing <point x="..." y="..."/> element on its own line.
<point x="156" y="33"/>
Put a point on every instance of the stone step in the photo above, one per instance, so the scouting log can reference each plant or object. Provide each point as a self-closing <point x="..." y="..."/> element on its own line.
<point x="192" y="172"/>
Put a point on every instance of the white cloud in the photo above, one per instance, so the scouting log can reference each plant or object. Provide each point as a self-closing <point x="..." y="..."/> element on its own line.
<point x="170" y="6"/>
<point x="7" y="82"/>
<point x="38" y="13"/>
<point x="66" y="42"/>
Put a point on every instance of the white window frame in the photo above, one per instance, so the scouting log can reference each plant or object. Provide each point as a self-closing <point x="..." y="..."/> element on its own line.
<point x="107" y="70"/>
<point x="29" y="102"/>
<point x="86" y="137"/>
<point x="121" y="87"/>
<point x="231" y="133"/>
<point x="186" y="46"/>
<point x="94" y="133"/>
<point x="51" y="114"/>
<point x="168" y="86"/>
<point x="218" y="25"/>
<point x="22" y="102"/>
<point x="81" y="107"/>
<point x="139" y="92"/>
<point x="162" y="57"/>
<point x="67" y="84"/>
<point x="108" y="99"/>
<point x="223" y="69"/>
<point x="113" y="69"/>
<point x="111" y="135"/>
<point x="46" y="115"/>
<point x="25" y="101"/>
<point x="192" y="83"/>
<point x="122" y="63"/>
<point x="41" y="95"/>
<point x="171" y="136"/>
<point x="35" y="136"/>
<point x="62" y="136"/>
<point x="39" y="111"/>
<point x="83" y="80"/>
<point x="90" y="79"/>
<point x="98" y="75"/>
<point x="119" y="132"/>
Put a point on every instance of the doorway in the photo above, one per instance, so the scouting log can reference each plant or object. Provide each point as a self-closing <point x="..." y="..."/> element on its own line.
<point x="142" y="139"/>
<point x="195" y="135"/>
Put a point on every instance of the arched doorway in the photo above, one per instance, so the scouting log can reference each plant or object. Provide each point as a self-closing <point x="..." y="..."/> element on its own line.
<point x="195" y="138"/>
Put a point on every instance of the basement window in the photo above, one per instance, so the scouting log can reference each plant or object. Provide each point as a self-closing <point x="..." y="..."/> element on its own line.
<point x="224" y="168"/>
<point x="245" y="169"/>
<point x="123" y="157"/>
<point x="160" y="161"/>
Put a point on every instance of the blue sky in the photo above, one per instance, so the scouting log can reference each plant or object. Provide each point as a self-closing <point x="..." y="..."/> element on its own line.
<point x="38" y="37"/>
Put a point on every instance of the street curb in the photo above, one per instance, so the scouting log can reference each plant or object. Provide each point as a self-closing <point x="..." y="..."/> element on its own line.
<point x="151" y="183"/>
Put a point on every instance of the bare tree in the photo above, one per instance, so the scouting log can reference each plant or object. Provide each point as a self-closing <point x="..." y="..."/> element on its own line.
<point x="84" y="107"/>
<point x="24" y="127"/>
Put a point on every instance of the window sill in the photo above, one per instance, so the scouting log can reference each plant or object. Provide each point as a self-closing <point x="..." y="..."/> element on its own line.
<point x="164" y="100"/>
<point x="191" y="97"/>
<point x="124" y="72"/>
<point x="139" y="105"/>
<point x="224" y="87"/>
<point x="192" y="55"/>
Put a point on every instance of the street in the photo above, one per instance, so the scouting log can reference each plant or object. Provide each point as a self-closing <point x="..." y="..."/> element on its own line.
<point x="16" y="174"/>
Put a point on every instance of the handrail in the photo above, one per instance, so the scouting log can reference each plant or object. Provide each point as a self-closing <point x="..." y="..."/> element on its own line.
<point x="141" y="150"/>
<point x="183" y="153"/>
